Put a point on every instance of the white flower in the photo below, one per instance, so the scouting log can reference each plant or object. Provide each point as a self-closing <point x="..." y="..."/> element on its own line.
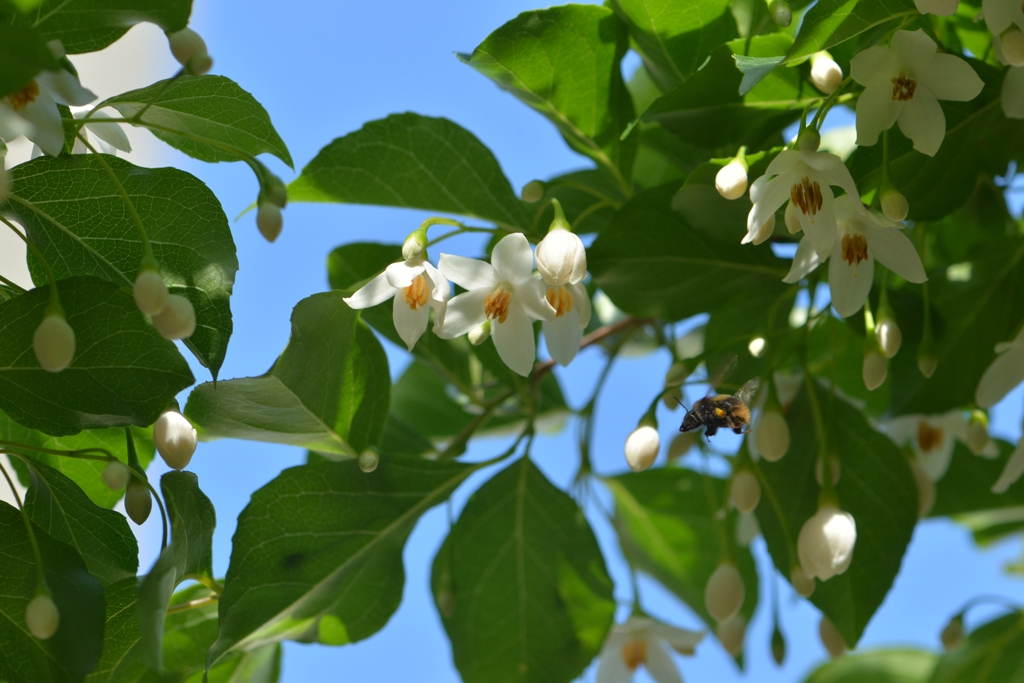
<point x="933" y="438"/>
<point x="745" y="490"/>
<point x="177" y="320"/>
<point x="110" y="136"/>
<point x="1013" y="93"/>
<point x="805" y="180"/>
<point x="1012" y="470"/>
<point x="416" y="287"/>
<point x="731" y="634"/>
<point x="562" y="263"/>
<point x="642" y="446"/>
<point x="826" y="542"/>
<point x="504" y="292"/>
<point x="36" y="103"/>
<point x="942" y="8"/>
<point x="54" y="343"/>
<point x="175" y="439"/>
<point x="904" y="83"/>
<point x="825" y="73"/>
<point x="724" y="592"/>
<point x="1005" y="372"/>
<point x="42" y="616"/>
<point x="641" y="641"/>
<point x="762" y="233"/>
<point x="561" y="258"/>
<point x="771" y="435"/>
<point x="731" y="179"/>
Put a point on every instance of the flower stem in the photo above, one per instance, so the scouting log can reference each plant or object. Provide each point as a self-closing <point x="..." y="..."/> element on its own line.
<point x="85" y="453"/>
<point x="830" y="101"/>
<point x="192" y="604"/>
<point x="54" y="296"/>
<point x="40" y="574"/>
<point x="19" y="289"/>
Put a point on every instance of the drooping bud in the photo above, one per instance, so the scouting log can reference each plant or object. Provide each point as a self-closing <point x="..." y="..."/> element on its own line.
<point x="368" y="461"/>
<point x="731" y="634"/>
<point x="642" y="446"/>
<point x="116" y="475"/>
<point x="792" y="220"/>
<point x="415" y="245"/>
<point x="747" y="529"/>
<point x="825" y="73"/>
<point x="782" y="15"/>
<point x="186" y="44"/>
<point x="479" y="334"/>
<point x="895" y="206"/>
<point x="269" y="220"/>
<point x="875" y="370"/>
<point x="150" y="291"/>
<point x="835" y="468"/>
<point x="926" y="363"/>
<point x="953" y="634"/>
<point x="925" y="489"/>
<point x="175" y="439"/>
<point x="723" y="594"/>
<point x="731" y="180"/>
<point x="561" y="257"/>
<point x="809" y="140"/>
<point x="1013" y="46"/>
<point x="757" y="347"/>
<point x="54" y="342"/>
<point x="778" y="646"/>
<point x="802" y="584"/>
<point x="137" y="501"/>
<point x="771" y="435"/>
<point x="826" y="542"/>
<point x="681" y="443"/>
<point x="177" y="320"/>
<point x="42" y="616"/>
<point x="533" y="191"/>
<point x="745" y="490"/>
<point x="889" y="336"/>
<point x="977" y="432"/>
<point x="831" y="638"/>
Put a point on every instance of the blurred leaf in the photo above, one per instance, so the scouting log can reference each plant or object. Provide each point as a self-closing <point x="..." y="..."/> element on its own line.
<point x="317" y="555"/>
<point x="328" y="391"/>
<point x="565" y="63"/>
<point x="23" y="54"/>
<point x="876" y="487"/>
<point x="123" y="372"/>
<point x="831" y="22"/>
<point x="878" y="666"/>
<point x="524" y="591"/>
<point x="993" y="653"/>
<point x="212" y="108"/>
<point x="415" y="162"/>
<point x="965" y="493"/>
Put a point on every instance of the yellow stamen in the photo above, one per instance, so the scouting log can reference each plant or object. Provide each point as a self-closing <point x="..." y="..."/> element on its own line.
<point x="807" y="196"/>
<point x="496" y="304"/>
<point x="416" y="293"/>
<point x="560" y="299"/>
<point x="855" y="249"/>
<point x="903" y="88"/>
<point x="928" y="437"/>
<point x="25" y="96"/>
<point x="634" y="653"/>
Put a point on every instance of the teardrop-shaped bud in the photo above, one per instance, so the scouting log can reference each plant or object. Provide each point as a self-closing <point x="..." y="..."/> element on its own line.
<point x="889" y="336"/>
<point x="42" y="616"/>
<point x="723" y="594"/>
<point x="368" y="461"/>
<point x="54" y="343"/>
<point x="175" y="439"/>
<point x="745" y="490"/>
<point x="642" y="446"/>
<point x="771" y="435"/>
<point x="150" y="291"/>
<point x="953" y="633"/>
<point x="137" y="501"/>
<point x="781" y="13"/>
<point x="977" y="432"/>
<point x="533" y="191"/>
<point x="177" y="320"/>
<point x="116" y="475"/>
<point x="875" y="370"/>
<point x="731" y="634"/>
<point x="831" y="638"/>
<point x="895" y="206"/>
<point x="825" y="73"/>
<point x="826" y="542"/>
<point x="731" y="179"/>
<point x="269" y="220"/>
<point x="186" y="44"/>
<point x="561" y="258"/>
<point x="835" y="467"/>
<point x="778" y="647"/>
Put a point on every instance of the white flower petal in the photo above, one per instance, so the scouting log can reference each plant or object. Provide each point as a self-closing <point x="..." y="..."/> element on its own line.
<point x="45" y="119"/>
<point x="512" y="258"/>
<point x="402" y="273"/>
<point x="821" y="226"/>
<point x="998" y="14"/>
<point x="895" y="251"/>
<point x="513" y="338"/>
<point x="902" y="429"/>
<point x="1013" y="93"/>
<point x="876" y="111"/>
<point x="805" y="260"/>
<point x="660" y="664"/>
<point x="679" y="638"/>
<point x="871" y="65"/>
<point x="562" y="337"/>
<point x="612" y="668"/>
<point x="922" y="121"/>
<point x="109" y="132"/>
<point x="914" y="49"/>
<point x="532" y="296"/>
<point x="949" y="77"/>
<point x="935" y="462"/>
<point x="410" y="324"/>
<point x="440" y="290"/>
<point x="1012" y="470"/>
<point x="849" y="284"/>
<point x="773" y="196"/>
<point x="468" y="273"/>
<point x="1005" y="373"/>
<point x="65" y="88"/>
<point x="581" y="302"/>
<point x="12" y="125"/>
<point x="464" y="312"/>
<point x="784" y="161"/>
<point x="374" y="292"/>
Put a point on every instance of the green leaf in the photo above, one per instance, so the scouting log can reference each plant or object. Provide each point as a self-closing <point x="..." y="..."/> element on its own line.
<point x="23" y="55"/>
<point x="565" y="63"/>
<point x="206" y="117"/>
<point x="328" y="392"/>
<point x="90" y="25"/>
<point x="123" y="373"/>
<point x="102" y="537"/>
<point x="74" y="649"/>
<point x="831" y="22"/>
<point x="317" y="555"/>
<point x="401" y="438"/>
<point x="676" y="37"/>
<point x="521" y="584"/>
<point x="121" y="661"/>
<point x="589" y="200"/>
<point x="878" y="666"/>
<point x="651" y="262"/>
<point x="668" y="527"/>
<point x="875" y="486"/>
<point x="262" y="665"/>
<point x="415" y="162"/>
<point x="993" y="653"/>
<point x="84" y="228"/>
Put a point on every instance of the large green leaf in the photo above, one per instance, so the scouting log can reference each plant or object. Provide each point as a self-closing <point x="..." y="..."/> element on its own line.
<point x="90" y="25"/>
<point x="565" y="63"/>
<point x="206" y="117"/>
<point x="82" y="226"/>
<point x="23" y="54"/>
<point x="121" y="661"/>
<point x="102" y="537"/>
<point x="668" y="525"/>
<point x="123" y="372"/>
<point x="831" y="22"/>
<point x="993" y="653"/>
<point x="317" y="555"/>
<point x="650" y="261"/>
<point x="876" y="487"/>
<point x="74" y="649"/>
<point x="328" y="392"/>
<point x="878" y="666"/>
<point x="521" y="584"/>
<point x="415" y="162"/>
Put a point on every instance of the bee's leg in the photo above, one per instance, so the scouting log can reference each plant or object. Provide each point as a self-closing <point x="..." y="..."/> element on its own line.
<point x="738" y="430"/>
<point x="710" y="431"/>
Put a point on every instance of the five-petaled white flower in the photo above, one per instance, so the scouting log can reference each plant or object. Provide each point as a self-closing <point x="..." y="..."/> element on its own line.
<point x="862" y="238"/>
<point x="416" y="287"/>
<point x="562" y="263"/>
<point x="504" y="292"/>
<point x="642" y="641"/>
<point x="1005" y="372"/>
<point x="904" y="83"/>
<point x="805" y="179"/>
<point x="933" y="438"/>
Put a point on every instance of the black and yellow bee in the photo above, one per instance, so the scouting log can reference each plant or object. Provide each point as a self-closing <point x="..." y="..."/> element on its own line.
<point x="722" y="411"/>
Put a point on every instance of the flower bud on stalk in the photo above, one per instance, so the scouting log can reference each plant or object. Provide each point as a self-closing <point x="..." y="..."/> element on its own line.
<point x="894" y="205"/>
<point x="561" y="256"/>
<point x="826" y="542"/>
<point x="825" y="73"/>
<point x="889" y="336"/>
<point x="479" y="334"/>
<point x="953" y="634"/>
<point x="802" y="584"/>
<point x="175" y="439"/>
<point x="42" y="616"/>
<point x="778" y="647"/>
<point x="731" y="180"/>
<point x="723" y="594"/>
<point x="782" y="15"/>
<point x="831" y="638"/>
<point x="275" y="191"/>
<point x="150" y="291"/>
<point x="977" y="432"/>
<point x="54" y="341"/>
<point x="186" y="45"/>
<point x="116" y="475"/>
<point x="137" y="501"/>
<point x="642" y="446"/>
<point x="731" y="633"/>
<point x="368" y="461"/>
<point x="177" y="320"/>
<point x="809" y="140"/>
<point x="269" y="220"/>
<point x="835" y="467"/>
<point x="771" y="435"/>
<point x="415" y="245"/>
<point x="533" y="191"/>
<point x="745" y="491"/>
<point x="875" y="370"/>
<point x="681" y="443"/>
<point x="926" y="364"/>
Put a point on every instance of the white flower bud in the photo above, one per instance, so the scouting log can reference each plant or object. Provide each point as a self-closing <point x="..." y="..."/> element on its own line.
<point x="977" y="434"/>
<point x="745" y="491"/>
<point x="875" y="369"/>
<point x="54" y="343"/>
<point x="802" y="584"/>
<point x="368" y="461"/>
<point x="175" y="439"/>
<point x="561" y="258"/>
<point x="771" y="435"/>
<point x="747" y="529"/>
<point x="895" y="206"/>
<point x="889" y="336"/>
<point x="150" y="292"/>
<point x="269" y="220"/>
<point x="731" y="180"/>
<point x="925" y="489"/>
<point x="414" y="246"/>
<point x="723" y="594"/>
<point x="533" y="191"/>
<point x="782" y="15"/>
<point x="831" y="638"/>
<point x="42" y="616"/>
<point x="177" y="320"/>
<point x="116" y="475"/>
<point x="1013" y="46"/>
<point x="137" y="501"/>
<point x="642" y="447"/>
<point x="479" y="334"/>
<point x="186" y="44"/>
<point x="792" y="220"/>
<point x="835" y="467"/>
<point x="731" y="634"/>
<point x="757" y="347"/>
<point x="825" y="73"/>
<point x="809" y="140"/>
<point x="680" y="444"/>
<point x="826" y="542"/>
<point x="953" y="634"/>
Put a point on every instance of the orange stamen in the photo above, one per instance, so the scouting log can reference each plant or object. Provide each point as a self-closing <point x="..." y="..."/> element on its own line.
<point x="416" y="293"/>
<point x="496" y="304"/>
<point x="25" y="96"/>
<point x="560" y="299"/>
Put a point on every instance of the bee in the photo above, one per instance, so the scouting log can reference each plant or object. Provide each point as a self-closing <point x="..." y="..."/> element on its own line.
<point x="722" y="411"/>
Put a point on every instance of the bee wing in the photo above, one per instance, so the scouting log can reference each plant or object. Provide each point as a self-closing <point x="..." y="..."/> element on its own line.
<point x="748" y="390"/>
<point x="719" y="369"/>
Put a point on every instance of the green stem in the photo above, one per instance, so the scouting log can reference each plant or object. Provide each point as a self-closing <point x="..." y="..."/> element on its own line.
<point x="147" y="250"/>
<point x="40" y="574"/>
<point x="54" y="296"/>
<point x="86" y="453"/>
<point x="192" y="604"/>
<point x="207" y="581"/>
<point x="462" y="229"/>
<point x="830" y="101"/>
<point x="16" y="287"/>
<point x="827" y="487"/>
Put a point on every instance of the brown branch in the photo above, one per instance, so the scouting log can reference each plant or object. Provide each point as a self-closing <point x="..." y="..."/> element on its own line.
<point x="598" y="335"/>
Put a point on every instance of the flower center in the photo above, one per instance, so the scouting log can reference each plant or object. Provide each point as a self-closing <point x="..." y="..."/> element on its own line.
<point x="806" y="195"/>
<point x="855" y="249"/>
<point x="25" y="96"/>
<point x="416" y="293"/>
<point x="496" y="304"/>
<point x="634" y="653"/>
<point x="928" y="437"/>
<point x="903" y="88"/>
<point x="560" y="299"/>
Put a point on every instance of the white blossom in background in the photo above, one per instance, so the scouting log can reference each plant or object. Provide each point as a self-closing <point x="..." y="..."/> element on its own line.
<point x="941" y="8"/>
<point x="731" y="634"/>
<point x="504" y="292"/>
<point x="904" y="84"/>
<point x="177" y="320"/>
<point x="826" y="543"/>
<point x="933" y="438"/>
<point x="54" y="343"/>
<point x="36" y="104"/>
<point x="642" y="641"/>
<point x="831" y="638"/>
<point x="1012" y="470"/>
<point x="1005" y="20"/>
<point x="1005" y="372"/>
<point x="562" y="263"/>
<point x="724" y="592"/>
<point x="110" y="137"/>
<point x="805" y="180"/>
